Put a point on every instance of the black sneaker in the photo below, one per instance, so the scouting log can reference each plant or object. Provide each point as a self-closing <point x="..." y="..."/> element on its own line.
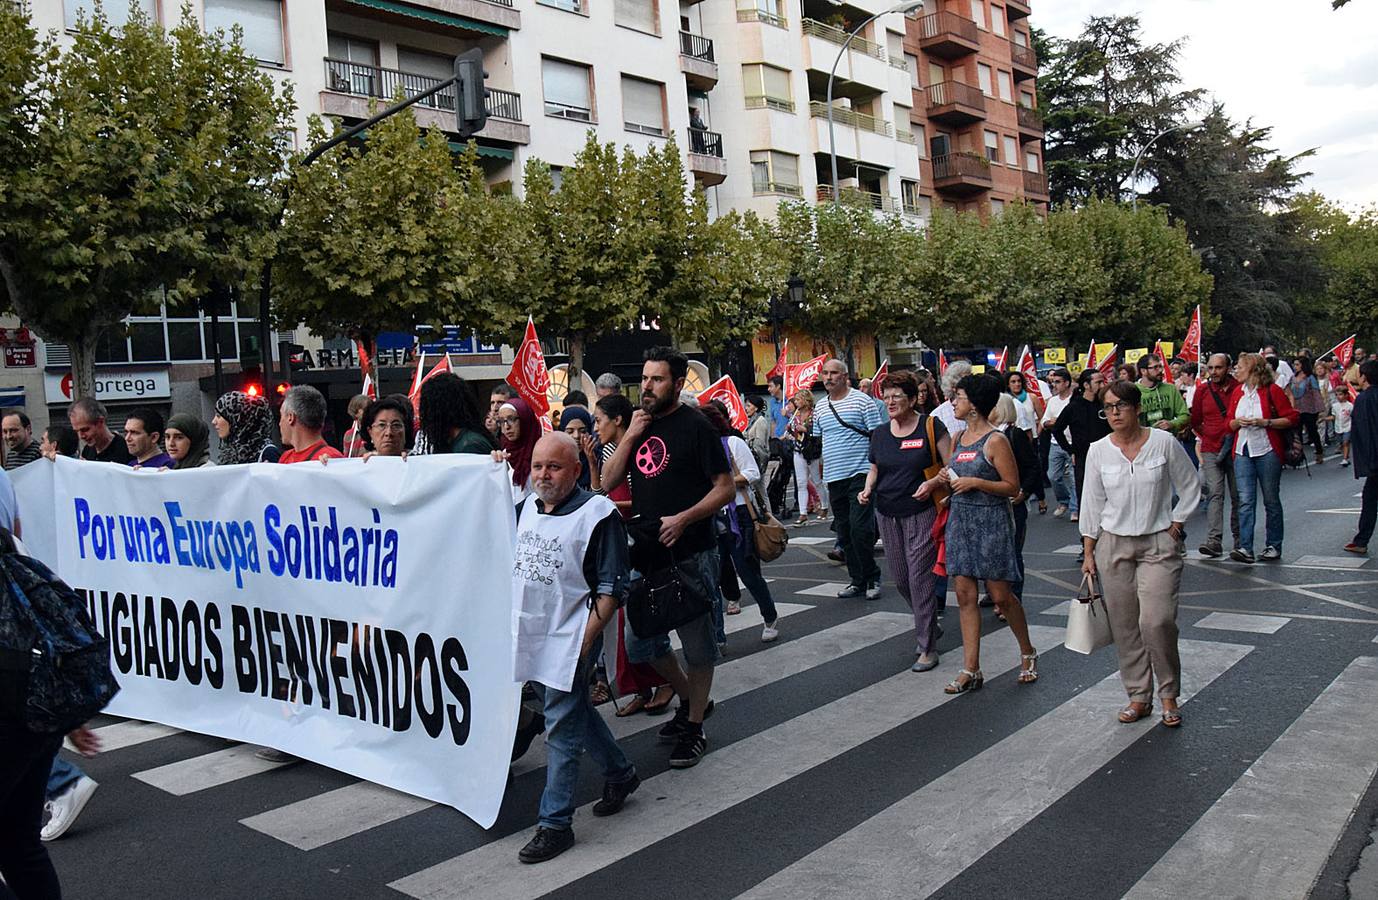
<point x="671" y="730"/>
<point x="689" y="750"/>
<point x="836" y="556"/>
<point x="1211" y="550"/>
<point x="851" y="591"/>
<point x="1241" y="555"/>
<point x="547" y="844"/>
<point x="615" y="793"/>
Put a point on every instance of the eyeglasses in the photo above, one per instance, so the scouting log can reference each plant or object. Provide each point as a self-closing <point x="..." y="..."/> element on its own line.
<point x="504" y="421"/>
<point x="381" y="427"/>
<point x="1119" y="406"/>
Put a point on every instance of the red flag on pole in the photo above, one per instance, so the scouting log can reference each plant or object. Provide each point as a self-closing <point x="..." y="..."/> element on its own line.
<point x="878" y="383"/>
<point x="1091" y="355"/>
<point x="1159" y="351"/>
<point x="1191" y="344"/>
<point x="1030" y="373"/>
<point x="529" y="374"/>
<point x="369" y="388"/>
<point x="779" y="367"/>
<point x="1107" y="365"/>
<point x="415" y="396"/>
<point x="803" y="376"/>
<point x="725" y="390"/>
<point x="1344" y="352"/>
<point x="1003" y="359"/>
<point x="942" y="361"/>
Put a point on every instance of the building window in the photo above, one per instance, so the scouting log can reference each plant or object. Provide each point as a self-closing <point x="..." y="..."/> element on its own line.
<point x="1021" y="39"/>
<point x="1026" y="99"/>
<point x="420" y="72"/>
<point x="1006" y="84"/>
<point x="640" y="15"/>
<point x="903" y="129"/>
<point x="1031" y="161"/>
<point x="983" y="77"/>
<point x="643" y="106"/>
<point x="911" y="62"/>
<point x="767" y="86"/>
<point x="997" y="207"/>
<point x="767" y="11"/>
<point x="773" y="172"/>
<point x="568" y="90"/>
<point x="978" y="13"/>
<point x="921" y="139"/>
<point x="992" y="146"/>
<point x="997" y="20"/>
<point x="1011" y="147"/>
<point x="909" y="196"/>
<point x="262" y="24"/>
<point x="574" y="6"/>
<point x="116" y="11"/>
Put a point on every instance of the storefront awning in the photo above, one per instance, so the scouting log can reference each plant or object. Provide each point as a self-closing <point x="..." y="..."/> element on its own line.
<point x="431" y="15"/>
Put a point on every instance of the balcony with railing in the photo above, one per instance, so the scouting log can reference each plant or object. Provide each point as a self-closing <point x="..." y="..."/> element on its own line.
<point x="851" y="196"/>
<point x="350" y="86"/>
<point x="954" y="103"/>
<point x="1030" y="123"/>
<point x="761" y="15"/>
<point x="961" y="173"/>
<point x="1024" y="62"/>
<point x="852" y="118"/>
<point x="696" y="61"/>
<point x="948" y="35"/>
<point x="1018" y="9"/>
<point x="833" y="35"/>
<point x="1036" y="185"/>
<point x="706" y="157"/>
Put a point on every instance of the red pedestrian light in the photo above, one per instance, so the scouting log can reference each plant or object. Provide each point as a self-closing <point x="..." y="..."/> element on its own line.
<point x="253" y="390"/>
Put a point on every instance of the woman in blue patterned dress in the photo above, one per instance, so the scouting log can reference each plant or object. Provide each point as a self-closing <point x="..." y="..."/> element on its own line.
<point x="984" y="477"/>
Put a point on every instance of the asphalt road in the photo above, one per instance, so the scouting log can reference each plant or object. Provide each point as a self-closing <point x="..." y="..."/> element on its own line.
<point x="833" y="770"/>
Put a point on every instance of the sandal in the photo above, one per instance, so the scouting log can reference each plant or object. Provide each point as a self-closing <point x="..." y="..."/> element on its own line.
<point x="1172" y="718"/>
<point x="600" y="693"/>
<point x="634" y="706"/>
<point x="1029" y="675"/>
<point x="973" y="682"/>
<point x="801" y="522"/>
<point x="654" y="708"/>
<point x="1042" y="507"/>
<point x="1134" y="712"/>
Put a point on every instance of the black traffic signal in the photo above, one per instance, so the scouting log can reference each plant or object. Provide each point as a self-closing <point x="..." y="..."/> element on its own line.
<point x="471" y="110"/>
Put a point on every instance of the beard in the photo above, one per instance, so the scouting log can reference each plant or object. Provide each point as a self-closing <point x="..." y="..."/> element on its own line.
<point x="657" y="405"/>
<point x="551" y="494"/>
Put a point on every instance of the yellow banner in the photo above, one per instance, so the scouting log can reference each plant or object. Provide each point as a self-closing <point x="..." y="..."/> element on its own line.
<point x="1102" y="350"/>
<point x="977" y="370"/>
<point x="1055" y="356"/>
<point x="1133" y="356"/>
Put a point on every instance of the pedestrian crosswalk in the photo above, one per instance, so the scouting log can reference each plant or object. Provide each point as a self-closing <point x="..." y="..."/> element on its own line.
<point x="1001" y="760"/>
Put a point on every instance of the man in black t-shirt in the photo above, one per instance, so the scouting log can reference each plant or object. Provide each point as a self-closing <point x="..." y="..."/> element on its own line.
<point x="680" y="478"/>
<point x="98" y="442"/>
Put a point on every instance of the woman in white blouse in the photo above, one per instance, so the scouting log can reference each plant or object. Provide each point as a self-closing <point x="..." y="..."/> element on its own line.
<point x="1133" y="534"/>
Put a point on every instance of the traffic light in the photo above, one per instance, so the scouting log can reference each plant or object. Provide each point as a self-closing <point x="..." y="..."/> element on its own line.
<point x="471" y="110"/>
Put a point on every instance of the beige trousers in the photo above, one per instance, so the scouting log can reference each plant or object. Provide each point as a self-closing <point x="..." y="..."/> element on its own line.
<point x="1140" y="577"/>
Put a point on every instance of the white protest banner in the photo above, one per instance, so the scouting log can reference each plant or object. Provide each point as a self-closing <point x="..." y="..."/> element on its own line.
<point x="356" y="614"/>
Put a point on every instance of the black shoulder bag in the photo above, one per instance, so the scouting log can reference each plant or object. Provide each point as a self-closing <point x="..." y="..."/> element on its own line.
<point x="670" y="592"/>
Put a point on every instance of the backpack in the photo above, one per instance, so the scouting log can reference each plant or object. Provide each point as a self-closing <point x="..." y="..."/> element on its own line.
<point x="55" y="664"/>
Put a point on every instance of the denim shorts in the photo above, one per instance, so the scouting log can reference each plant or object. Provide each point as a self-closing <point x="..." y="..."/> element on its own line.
<point x="697" y="637"/>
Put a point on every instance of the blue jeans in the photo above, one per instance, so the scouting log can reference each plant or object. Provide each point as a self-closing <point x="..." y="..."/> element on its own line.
<point x="1256" y="475"/>
<point x="749" y="565"/>
<point x="573" y="726"/>
<point x="62" y="777"/>
<point x="1061" y="474"/>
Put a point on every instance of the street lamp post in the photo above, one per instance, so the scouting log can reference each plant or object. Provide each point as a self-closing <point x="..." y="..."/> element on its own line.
<point x="1138" y="158"/>
<point x="784" y="305"/>
<point x="907" y="7"/>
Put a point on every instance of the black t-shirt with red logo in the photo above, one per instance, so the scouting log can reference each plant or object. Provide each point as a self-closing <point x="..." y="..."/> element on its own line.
<point x="899" y="467"/>
<point x="672" y="467"/>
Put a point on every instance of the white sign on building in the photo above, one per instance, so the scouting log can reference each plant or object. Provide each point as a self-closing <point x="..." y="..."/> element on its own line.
<point x="115" y="383"/>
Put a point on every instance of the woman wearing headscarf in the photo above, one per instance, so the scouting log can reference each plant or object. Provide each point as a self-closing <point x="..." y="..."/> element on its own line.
<point x="244" y="424"/>
<point x="577" y="422"/>
<point x="520" y="430"/>
<point x="188" y="441"/>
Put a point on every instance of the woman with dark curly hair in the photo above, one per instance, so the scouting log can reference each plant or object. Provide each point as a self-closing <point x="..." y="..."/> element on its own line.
<point x="385" y="427"/>
<point x="450" y="417"/>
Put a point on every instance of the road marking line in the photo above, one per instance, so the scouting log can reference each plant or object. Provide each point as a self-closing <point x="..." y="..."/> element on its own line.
<point x="1330" y="562"/>
<point x="130" y="733"/>
<point x="920" y="843"/>
<point x="810" y="541"/>
<point x="737" y="677"/>
<point x="1254" y="624"/>
<point x="1338" y="512"/>
<point x="1274" y="829"/>
<point x="1069" y="550"/>
<point x="749" y="618"/>
<point x="1289" y="588"/>
<point x="209" y="770"/>
<point x="335" y="815"/>
<point x="677" y="800"/>
<point x="826" y="589"/>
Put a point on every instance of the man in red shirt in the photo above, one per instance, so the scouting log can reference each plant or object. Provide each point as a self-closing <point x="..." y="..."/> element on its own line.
<point x="1211" y="422"/>
<point x="300" y="421"/>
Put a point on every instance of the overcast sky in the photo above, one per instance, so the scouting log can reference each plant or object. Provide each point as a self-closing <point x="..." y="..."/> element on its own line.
<point x="1309" y="72"/>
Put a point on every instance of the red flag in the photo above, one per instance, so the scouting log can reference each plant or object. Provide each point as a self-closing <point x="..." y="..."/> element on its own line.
<point x="1191" y="344"/>
<point x="1107" y="365"/>
<point x="1159" y="352"/>
<point x="1030" y="373"/>
<point x="529" y="374"/>
<point x="415" y="396"/>
<point x="1344" y="352"/>
<point x="1091" y="355"/>
<point x="779" y="367"/>
<point x="802" y="376"/>
<point x="942" y="361"/>
<point x="878" y="383"/>
<point x="1002" y="359"/>
<point x="723" y="389"/>
<point x="369" y="389"/>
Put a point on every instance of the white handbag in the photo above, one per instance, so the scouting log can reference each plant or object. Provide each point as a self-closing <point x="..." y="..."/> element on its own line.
<point x="1088" y="622"/>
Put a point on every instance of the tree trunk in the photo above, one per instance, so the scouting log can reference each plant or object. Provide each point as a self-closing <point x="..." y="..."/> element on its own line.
<point x="577" y="340"/>
<point x="847" y="341"/>
<point x="83" y="350"/>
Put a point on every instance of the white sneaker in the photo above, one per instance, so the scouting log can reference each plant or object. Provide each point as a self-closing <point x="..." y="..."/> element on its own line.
<point x="769" y="633"/>
<point x="1060" y="511"/>
<point x="1075" y="517"/>
<point x="66" y="807"/>
<point x="873" y="591"/>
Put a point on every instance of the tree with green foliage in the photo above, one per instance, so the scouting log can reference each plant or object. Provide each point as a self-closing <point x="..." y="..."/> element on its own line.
<point x="137" y="159"/>
<point x="1103" y="96"/>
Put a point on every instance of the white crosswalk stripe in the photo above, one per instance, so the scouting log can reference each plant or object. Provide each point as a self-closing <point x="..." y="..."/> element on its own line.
<point x="715" y="784"/>
<point x="920" y="843"/>
<point x="131" y="733"/>
<point x="335" y="815"/>
<point x="187" y="776"/>
<point x="749" y="618"/>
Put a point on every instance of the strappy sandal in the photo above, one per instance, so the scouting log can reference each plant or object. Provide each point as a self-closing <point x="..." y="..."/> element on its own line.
<point x="1029" y="675"/>
<point x="973" y="682"/>
<point x="1134" y="712"/>
<point x="600" y="693"/>
<point x="657" y="709"/>
<point x="634" y="706"/>
<point x="1172" y="718"/>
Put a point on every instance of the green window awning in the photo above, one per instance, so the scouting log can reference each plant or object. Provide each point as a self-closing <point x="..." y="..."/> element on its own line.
<point x="484" y="150"/>
<point x="431" y="15"/>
